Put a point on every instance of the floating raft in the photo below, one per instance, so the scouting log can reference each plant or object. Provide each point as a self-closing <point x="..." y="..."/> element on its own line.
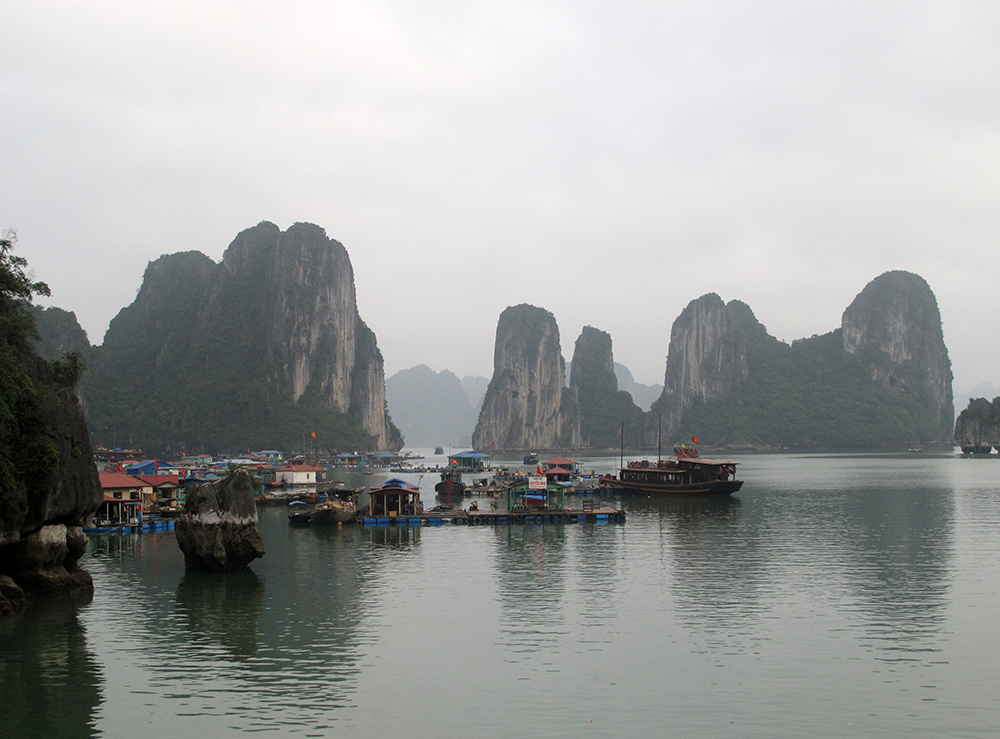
<point x="492" y="518"/>
<point x="129" y="528"/>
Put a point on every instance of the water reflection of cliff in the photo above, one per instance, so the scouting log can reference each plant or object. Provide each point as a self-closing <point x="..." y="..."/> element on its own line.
<point x="712" y="564"/>
<point x="897" y="546"/>
<point x="871" y="556"/>
<point x="51" y="682"/>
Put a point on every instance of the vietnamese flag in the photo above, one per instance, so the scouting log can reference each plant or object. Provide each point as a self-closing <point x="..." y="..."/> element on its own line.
<point x="695" y="439"/>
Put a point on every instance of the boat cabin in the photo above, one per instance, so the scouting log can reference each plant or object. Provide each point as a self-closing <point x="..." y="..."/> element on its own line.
<point x="395" y="498"/>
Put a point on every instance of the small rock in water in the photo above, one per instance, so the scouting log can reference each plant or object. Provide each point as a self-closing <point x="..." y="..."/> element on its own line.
<point x="218" y="530"/>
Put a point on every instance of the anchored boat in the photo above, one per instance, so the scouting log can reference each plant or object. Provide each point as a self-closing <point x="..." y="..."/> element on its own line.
<point x="686" y="473"/>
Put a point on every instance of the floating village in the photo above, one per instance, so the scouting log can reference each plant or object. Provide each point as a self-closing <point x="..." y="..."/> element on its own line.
<point x="143" y="494"/>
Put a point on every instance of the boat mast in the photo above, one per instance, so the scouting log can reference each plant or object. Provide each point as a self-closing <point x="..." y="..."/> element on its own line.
<point x="621" y="462"/>
<point x="659" y="437"/>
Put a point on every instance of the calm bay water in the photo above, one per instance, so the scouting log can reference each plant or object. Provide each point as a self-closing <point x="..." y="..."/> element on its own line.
<point x="834" y="596"/>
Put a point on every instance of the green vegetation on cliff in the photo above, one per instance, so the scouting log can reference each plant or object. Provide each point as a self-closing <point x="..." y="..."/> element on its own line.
<point x="28" y="455"/>
<point x="810" y="394"/>
<point x="206" y="357"/>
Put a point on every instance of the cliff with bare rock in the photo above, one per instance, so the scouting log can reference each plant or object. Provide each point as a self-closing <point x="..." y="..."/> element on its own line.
<point x="262" y="350"/>
<point x="881" y="380"/>
<point x="527" y="405"/>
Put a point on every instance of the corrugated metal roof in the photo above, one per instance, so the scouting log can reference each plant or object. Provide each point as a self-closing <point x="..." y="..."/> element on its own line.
<point x="120" y="480"/>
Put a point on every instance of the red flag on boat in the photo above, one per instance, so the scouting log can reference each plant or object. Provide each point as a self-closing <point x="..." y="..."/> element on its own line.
<point x="540" y="470"/>
<point x="695" y="439"/>
<point x="314" y="434"/>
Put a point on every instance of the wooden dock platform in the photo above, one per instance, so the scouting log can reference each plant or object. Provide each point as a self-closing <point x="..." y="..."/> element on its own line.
<point x="587" y="514"/>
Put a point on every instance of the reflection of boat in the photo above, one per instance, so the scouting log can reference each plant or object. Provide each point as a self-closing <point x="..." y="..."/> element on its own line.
<point x="686" y="473"/>
<point x="451" y="483"/>
<point x="341" y="506"/>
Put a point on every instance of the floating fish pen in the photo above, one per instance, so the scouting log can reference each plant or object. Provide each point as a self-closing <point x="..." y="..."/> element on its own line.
<point x="532" y="500"/>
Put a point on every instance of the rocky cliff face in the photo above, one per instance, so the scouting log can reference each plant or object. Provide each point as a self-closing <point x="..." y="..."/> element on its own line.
<point x="603" y="407"/>
<point x="264" y="348"/>
<point x="894" y="325"/>
<point x="882" y="379"/>
<point x="707" y="357"/>
<point x="527" y="405"/>
<point x="978" y="425"/>
<point x="53" y="490"/>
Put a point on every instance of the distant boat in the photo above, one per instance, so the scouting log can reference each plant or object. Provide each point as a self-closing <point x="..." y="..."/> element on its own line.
<point x="686" y="473"/>
<point x="438" y="450"/>
<point x="531" y="458"/>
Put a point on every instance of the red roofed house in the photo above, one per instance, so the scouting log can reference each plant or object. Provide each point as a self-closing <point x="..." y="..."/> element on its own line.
<point x="297" y="474"/>
<point x="569" y="464"/>
<point x="125" y="498"/>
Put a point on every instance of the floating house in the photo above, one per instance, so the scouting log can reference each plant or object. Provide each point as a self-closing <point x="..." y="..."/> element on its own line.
<point x="468" y="460"/>
<point x="124" y="496"/>
<point x="535" y="492"/>
<point x="166" y="491"/>
<point x="383" y="459"/>
<point x="394" y="498"/>
<point x="570" y="465"/>
<point x="297" y="474"/>
<point x="347" y="459"/>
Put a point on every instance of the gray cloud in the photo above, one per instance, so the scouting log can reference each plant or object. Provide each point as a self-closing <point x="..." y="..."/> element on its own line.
<point x="609" y="162"/>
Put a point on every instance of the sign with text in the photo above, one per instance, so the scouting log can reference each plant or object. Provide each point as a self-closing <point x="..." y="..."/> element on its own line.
<point x="537" y="483"/>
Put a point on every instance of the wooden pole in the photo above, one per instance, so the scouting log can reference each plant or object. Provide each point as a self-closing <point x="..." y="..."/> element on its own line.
<point x="621" y="462"/>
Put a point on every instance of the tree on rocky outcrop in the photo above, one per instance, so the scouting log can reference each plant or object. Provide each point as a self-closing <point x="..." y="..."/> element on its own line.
<point x="48" y="480"/>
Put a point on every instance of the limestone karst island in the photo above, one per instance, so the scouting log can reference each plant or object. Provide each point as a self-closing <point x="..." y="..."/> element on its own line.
<point x="227" y="384"/>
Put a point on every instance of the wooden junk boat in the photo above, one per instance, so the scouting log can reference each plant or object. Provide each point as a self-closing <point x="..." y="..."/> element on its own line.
<point x="686" y="473"/>
<point x="341" y="506"/>
<point x="451" y="484"/>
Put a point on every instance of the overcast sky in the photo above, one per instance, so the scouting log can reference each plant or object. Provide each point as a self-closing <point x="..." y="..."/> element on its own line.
<point x="607" y="161"/>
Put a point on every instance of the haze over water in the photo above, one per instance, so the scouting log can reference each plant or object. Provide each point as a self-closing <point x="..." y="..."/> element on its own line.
<point x="834" y="596"/>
